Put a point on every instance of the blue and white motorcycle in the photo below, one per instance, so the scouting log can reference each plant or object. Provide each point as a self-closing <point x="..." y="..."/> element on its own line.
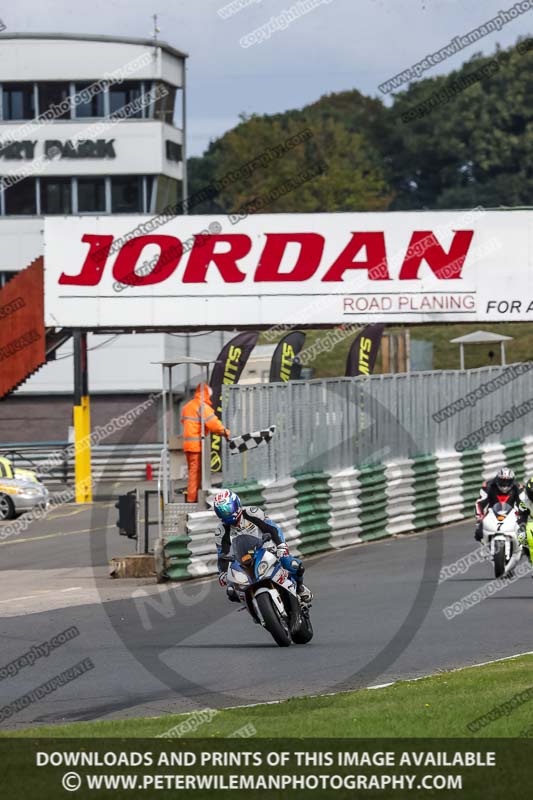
<point x="262" y="584"/>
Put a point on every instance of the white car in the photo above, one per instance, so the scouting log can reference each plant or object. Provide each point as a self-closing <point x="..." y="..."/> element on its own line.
<point x="20" y="491"/>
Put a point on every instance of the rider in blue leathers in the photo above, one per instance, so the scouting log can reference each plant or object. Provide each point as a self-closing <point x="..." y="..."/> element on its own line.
<point x="236" y="519"/>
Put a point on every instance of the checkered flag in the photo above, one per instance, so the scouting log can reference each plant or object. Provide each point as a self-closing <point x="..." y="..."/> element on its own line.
<point x="248" y="441"/>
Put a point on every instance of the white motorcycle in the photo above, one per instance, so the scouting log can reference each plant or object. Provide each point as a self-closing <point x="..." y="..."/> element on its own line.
<point x="500" y="535"/>
<point x="257" y="577"/>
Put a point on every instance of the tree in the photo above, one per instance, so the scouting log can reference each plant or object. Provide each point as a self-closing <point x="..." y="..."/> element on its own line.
<point x="473" y="149"/>
<point x="471" y="146"/>
<point x="352" y="178"/>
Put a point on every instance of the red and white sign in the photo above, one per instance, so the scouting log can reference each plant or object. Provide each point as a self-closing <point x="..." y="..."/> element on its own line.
<point x="296" y="269"/>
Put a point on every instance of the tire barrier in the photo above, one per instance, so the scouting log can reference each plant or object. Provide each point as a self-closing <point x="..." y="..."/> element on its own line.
<point x="345" y="508"/>
<point x="320" y="511"/>
<point x="313" y="512"/>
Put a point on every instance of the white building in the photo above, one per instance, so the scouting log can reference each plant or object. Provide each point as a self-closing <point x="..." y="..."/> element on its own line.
<point x="61" y="149"/>
<point x="257" y="369"/>
<point x="89" y="125"/>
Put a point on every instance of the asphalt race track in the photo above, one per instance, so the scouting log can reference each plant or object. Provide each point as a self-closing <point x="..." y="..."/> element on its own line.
<point x="378" y="616"/>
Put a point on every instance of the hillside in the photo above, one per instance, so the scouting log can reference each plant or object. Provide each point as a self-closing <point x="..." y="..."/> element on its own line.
<point x="445" y="355"/>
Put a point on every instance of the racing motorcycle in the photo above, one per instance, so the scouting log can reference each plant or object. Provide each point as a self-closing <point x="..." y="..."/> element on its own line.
<point x="268" y="591"/>
<point x="500" y="535"/>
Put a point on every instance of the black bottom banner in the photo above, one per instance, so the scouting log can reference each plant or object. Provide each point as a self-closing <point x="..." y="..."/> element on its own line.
<point x="273" y="768"/>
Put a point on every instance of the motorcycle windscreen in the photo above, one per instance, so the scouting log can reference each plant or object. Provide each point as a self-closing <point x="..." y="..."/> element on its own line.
<point x="501" y="510"/>
<point x="244" y="546"/>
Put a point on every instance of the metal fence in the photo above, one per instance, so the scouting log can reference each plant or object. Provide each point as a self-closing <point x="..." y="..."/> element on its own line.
<point x="329" y="425"/>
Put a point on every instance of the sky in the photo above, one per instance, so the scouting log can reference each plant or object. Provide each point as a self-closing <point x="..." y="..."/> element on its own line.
<point x="337" y="45"/>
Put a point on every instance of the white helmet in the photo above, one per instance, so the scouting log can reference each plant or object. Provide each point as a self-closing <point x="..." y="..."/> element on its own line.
<point x="505" y="479"/>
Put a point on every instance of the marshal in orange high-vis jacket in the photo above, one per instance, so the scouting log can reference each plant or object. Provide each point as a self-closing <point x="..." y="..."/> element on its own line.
<point x="191" y="419"/>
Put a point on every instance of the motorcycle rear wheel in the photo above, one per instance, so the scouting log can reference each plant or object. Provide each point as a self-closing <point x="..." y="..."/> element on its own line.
<point x="272" y="619"/>
<point x="304" y="633"/>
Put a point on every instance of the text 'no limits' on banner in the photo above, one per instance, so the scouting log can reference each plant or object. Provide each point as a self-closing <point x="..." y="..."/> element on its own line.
<point x="364" y="351"/>
<point x="227" y="371"/>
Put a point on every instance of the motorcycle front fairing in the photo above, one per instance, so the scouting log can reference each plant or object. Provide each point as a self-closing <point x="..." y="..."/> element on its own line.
<point x="246" y="551"/>
<point x="501" y="524"/>
<point x="273" y="578"/>
<point x="255" y="557"/>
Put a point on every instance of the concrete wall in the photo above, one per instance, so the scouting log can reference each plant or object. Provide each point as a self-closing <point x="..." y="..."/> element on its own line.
<point x="125" y="363"/>
<point x="40" y="419"/>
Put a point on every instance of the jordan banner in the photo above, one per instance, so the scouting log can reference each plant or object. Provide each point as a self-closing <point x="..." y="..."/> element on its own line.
<point x="285" y="365"/>
<point x="228" y="370"/>
<point x="364" y="351"/>
<point x="295" y="270"/>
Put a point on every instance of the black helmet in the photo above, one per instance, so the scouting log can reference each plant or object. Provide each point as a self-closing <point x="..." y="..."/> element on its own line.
<point x="529" y="489"/>
<point x="505" y="479"/>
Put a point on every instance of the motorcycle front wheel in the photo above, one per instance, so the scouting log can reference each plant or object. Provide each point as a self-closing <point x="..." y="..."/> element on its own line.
<point x="272" y="619"/>
<point x="499" y="559"/>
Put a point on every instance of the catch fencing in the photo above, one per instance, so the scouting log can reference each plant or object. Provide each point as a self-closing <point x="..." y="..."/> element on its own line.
<point x="324" y="426"/>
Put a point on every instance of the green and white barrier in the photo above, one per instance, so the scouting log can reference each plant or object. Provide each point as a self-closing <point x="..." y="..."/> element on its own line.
<point x="345" y="508"/>
<point x="401" y="497"/>
<point x="320" y="511"/>
<point x="281" y="499"/>
<point x="449" y="490"/>
<point x="203" y="556"/>
<point x="528" y="457"/>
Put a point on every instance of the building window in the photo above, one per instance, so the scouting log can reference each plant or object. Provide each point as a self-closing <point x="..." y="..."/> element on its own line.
<point x="91" y="195"/>
<point x="56" y="196"/>
<point x="21" y="198"/>
<point x="92" y="105"/>
<point x="18" y="101"/>
<point x="168" y="194"/>
<point x="51" y="95"/>
<point x="173" y="151"/>
<point x="126" y="194"/>
<point x="151" y="193"/>
<point x="121" y="94"/>
<point x="164" y="106"/>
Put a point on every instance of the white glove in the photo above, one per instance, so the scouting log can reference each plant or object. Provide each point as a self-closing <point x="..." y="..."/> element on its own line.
<point x="282" y="550"/>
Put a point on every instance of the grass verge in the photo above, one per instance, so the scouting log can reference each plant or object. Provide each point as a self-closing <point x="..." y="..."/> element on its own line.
<point x="439" y="706"/>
